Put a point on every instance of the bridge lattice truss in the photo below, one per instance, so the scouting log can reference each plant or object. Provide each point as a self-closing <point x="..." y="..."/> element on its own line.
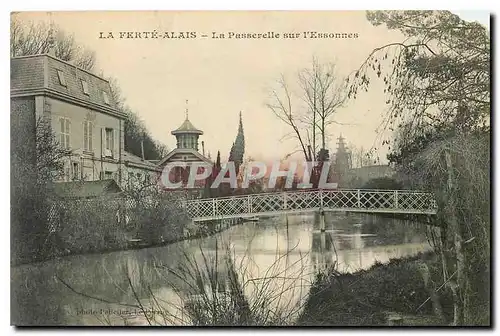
<point x="375" y="201"/>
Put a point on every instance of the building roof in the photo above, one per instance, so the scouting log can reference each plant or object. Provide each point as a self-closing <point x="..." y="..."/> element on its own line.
<point x="187" y="128"/>
<point x="36" y="74"/>
<point x="86" y="189"/>
<point x="136" y="161"/>
<point x="193" y="152"/>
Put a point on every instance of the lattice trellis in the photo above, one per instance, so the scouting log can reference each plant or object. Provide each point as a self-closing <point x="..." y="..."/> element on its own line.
<point x="301" y="200"/>
<point x="413" y="200"/>
<point x="391" y="201"/>
<point x="377" y="200"/>
<point x="201" y="208"/>
<point x="267" y="202"/>
<point x="340" y="199"/>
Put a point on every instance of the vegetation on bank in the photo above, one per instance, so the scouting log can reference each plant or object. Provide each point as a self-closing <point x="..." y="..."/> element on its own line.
<point x="405" y="292"/>
<point x="368" y="297"/>
<point x="437" y="83"/>
<point x="108" y="224"/>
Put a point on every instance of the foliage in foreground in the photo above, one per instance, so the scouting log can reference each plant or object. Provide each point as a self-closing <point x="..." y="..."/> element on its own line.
<point x="365" y="297"/>
<point x="218" y="290"/>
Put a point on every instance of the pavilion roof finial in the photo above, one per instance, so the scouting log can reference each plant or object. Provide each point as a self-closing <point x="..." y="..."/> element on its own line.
<point x="187" y="110"/>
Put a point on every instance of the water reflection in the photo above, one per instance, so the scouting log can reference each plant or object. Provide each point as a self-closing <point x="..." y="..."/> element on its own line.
<point x="115" y="288"/>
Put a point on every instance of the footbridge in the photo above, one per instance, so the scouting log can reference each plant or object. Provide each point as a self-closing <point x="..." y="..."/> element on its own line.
<point x="348" y="200"/>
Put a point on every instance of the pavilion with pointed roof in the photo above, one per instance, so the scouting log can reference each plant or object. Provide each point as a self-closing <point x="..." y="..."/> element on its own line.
<point x="187" y="150"/>
<point x="187" y="135"/>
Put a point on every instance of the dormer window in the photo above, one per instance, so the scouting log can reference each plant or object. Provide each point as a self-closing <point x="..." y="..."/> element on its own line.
<point x="85" y="87"/>
<point x="62" y="80"/>
<point x="106" y="98"/>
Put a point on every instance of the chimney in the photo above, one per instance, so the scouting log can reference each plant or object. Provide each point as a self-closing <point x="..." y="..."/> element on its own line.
<point x="51" y="41"/>
<point x="203" y="147"/>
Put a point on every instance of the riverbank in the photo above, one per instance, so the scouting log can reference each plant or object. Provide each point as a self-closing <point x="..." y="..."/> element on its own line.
<point x="209" y="229"/>
<point x="397" y="293"/>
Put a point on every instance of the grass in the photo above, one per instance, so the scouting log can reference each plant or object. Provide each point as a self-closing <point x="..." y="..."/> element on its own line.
<point x="216" y="289"/>
<point x="367" y="297"/>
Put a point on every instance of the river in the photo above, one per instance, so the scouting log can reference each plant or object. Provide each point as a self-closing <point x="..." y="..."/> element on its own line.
<point x="276" y="254"/>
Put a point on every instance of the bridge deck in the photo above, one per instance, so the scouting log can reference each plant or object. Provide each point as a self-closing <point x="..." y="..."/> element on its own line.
<point x="357" y="200"/>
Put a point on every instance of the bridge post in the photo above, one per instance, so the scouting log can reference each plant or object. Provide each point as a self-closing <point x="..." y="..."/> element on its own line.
<point x="284" y="201"/>
<point x="321" y="212"/>
<point x="395" y="199"/>
<point x="359" y="198"/>
<point x="213" y="207"/>
<point x="249" y="204"/>
<point x="322" y="227"/>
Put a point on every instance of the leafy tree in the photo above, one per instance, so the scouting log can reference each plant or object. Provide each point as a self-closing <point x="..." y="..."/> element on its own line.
<point x="35" y="162"/>
<point x="438" y="77"/>
<point x="437" y="83"/>
<point x="384" y="183"/>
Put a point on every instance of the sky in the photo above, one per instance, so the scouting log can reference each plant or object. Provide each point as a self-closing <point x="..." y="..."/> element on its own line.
<point x="221" y="77"/>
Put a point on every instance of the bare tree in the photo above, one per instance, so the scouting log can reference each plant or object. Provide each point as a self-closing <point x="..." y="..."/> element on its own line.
<point x="361" y="156"/>
<point x="34" y="38"/>
<point x="324" y="93"/>
<point x="282" y="107"/>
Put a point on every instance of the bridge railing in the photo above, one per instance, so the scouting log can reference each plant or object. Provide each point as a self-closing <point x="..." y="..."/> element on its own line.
<point x="395" y="201"/>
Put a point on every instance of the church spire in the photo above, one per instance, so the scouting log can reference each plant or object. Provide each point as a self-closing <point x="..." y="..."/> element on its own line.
<point x="238" y="149"/>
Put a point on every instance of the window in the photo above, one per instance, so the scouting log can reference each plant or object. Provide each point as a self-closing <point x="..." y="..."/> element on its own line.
<point x="108" y="175"/>
<point x="109" y="141"/>
<point x="85" y="87"/>
<point x="64" y="129"/>
<point x="62" y="80"/>
<point x="76" y="171"/>
<point x="87" y="136"/>
<point x="106" y="98"/>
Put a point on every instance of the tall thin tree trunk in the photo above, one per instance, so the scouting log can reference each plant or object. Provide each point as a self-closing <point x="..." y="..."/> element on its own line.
<point x="323" y="135"/>
<point x="454" y="230"/>
<point x="314" y="128"/>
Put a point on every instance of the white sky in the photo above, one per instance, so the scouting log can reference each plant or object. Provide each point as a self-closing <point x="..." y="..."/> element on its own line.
<point x="222" y="77"/>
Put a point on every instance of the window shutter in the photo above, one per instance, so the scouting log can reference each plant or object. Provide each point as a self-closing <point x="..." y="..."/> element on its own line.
<point x="90" y="126"/>
<point x="68" y="128"/>
<point x="61" y="133"/>
<point x="116" y="147"/>
<point x="103" y="141"/>
<point x="85" y="135"/>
